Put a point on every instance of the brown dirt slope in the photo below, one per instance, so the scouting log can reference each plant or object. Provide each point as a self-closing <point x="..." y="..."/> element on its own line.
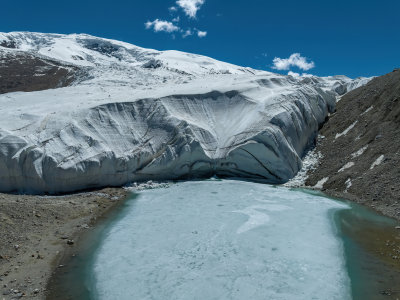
<point x="36" y="232"/>
<point x="22" y="72"/>
<point x="374" y="110"/>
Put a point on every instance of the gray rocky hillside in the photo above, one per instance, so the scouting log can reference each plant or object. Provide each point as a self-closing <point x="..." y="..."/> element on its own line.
<point x="360" y="145"/>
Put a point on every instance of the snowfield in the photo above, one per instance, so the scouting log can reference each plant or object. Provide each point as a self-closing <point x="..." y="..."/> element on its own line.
<point x="136" y="114"/>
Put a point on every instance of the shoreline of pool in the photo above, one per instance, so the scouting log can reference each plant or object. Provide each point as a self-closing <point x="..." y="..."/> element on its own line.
<point x="375" y="253"/>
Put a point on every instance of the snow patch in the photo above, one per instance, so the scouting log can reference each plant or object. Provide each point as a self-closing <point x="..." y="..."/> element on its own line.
<point x="359" y="152"/>
<point x="377" y="162"/>
<point x="367" y="110"/>
<point x="320" y="184"/>
<point x="346" y="131"/>
<point x="348" y="184"/>
<point x="346" y="166"/>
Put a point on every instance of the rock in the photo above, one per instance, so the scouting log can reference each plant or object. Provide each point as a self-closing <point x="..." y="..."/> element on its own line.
<point x="386" y="292"/>
<point x="70" y="242"/>
<point x="16" y="247"/>
<point x="36" y="291"/>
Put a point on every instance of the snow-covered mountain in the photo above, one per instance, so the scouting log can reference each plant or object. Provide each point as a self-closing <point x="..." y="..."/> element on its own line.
<point x="133" y="114"/>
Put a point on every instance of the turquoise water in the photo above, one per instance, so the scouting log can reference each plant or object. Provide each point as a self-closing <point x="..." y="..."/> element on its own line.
<point x="222" y="239"/>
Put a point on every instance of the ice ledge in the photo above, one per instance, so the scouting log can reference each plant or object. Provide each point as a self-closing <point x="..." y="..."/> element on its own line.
<point x="175" y="137"/>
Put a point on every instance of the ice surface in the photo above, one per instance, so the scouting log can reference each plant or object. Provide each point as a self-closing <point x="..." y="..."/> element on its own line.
<point x="136" y="114"/>
<point x="222" y="240"/>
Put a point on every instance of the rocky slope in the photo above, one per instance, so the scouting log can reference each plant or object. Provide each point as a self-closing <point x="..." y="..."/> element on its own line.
<point x="360" y="145"/>
<point x="27" y="73"/>
<point x="131" y="114"/>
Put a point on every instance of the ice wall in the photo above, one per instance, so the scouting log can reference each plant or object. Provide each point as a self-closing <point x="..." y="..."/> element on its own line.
<point x="136" y="114"/>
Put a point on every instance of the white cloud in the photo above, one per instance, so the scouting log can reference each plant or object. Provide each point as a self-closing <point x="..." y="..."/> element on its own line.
<point x="303" y="75"/>
<point x="295" y="60"/>
<point x="190" y="7"/>
<point x="160" y="25"/>
<point x="188" y="32"/>
<point x="294" y="74"/>
<point x="201" y="34"/>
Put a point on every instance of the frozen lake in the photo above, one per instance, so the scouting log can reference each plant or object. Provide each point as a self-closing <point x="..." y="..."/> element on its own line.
<point x="222" y="239"/>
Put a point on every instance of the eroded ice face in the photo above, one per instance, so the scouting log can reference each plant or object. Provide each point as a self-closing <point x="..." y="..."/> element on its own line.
<point x="223" y="240"/>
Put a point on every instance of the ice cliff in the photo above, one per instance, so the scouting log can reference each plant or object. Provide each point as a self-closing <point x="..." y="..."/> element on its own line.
<point x="134" y="114"/>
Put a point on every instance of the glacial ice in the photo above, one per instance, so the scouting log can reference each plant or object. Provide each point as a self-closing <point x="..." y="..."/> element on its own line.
<point x="234" y="240"/>
<point x="138" y="114"/>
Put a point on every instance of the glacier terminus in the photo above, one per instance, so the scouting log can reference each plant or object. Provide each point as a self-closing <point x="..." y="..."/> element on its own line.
<point x="133" y="114"/>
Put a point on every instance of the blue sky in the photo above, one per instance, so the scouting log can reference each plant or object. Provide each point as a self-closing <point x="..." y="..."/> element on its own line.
<point x="354" y="38"/>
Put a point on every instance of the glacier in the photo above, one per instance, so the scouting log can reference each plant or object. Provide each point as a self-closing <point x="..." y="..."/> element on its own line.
<point x="135" y="114"/>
